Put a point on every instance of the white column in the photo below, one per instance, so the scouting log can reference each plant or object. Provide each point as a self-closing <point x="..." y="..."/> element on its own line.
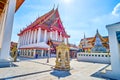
<point x="39" y="35"/>
<point x="29" y="35"/>
<point x="42" y="53"/>
<point x="60" y="36"/>
<point x="56" y="35"/>
<point x="23" y="38"/>
<point x="2" y="21"/>
<point x="35" y="35"/>
<point x="20" y="38"/>
<point x="67" y="40"/>
<point x="26" y="33"/>
<point x="19" y="42"/>
<point x="51" y="35"/>
<point x="31" y="39"/>
<point x="45" y="36"/>
<point x="28" y="40"/>
<point x="8" y="25"/>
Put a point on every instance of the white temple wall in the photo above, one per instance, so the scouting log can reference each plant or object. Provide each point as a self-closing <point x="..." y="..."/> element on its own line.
<point x="94" y="57"/>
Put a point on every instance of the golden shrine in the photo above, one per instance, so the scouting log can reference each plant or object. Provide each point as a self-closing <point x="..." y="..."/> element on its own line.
<point x="62" y="57"/>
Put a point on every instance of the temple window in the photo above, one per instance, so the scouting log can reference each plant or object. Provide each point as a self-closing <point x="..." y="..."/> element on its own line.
<point x="98" y="55"/>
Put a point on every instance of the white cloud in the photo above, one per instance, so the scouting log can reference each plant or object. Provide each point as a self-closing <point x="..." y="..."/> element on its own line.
<point x="116" y="10"/>
<point x="66" y="1"/>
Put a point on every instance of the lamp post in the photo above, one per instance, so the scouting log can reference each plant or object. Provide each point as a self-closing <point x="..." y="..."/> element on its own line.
<point x="48" y="55"/>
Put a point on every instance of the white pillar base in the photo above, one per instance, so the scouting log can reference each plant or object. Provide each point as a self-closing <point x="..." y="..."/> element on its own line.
<point x="111" y="74"/>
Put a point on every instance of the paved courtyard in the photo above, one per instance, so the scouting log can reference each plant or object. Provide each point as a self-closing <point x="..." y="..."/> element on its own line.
<point x="38" y="69"/>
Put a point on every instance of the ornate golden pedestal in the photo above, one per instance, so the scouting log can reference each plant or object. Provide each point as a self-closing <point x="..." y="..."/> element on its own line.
<point x="62" y="57"/>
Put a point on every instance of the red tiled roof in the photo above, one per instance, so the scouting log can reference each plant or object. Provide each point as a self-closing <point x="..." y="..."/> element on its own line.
<point x="50" y="20"/>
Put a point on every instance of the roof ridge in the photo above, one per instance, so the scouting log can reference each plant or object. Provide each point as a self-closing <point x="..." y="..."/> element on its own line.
<point x="37" y="21"/>
<point x="48" y="17"/>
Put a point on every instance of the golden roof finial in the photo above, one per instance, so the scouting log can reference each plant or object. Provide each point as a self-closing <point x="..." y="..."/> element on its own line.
<point x="97" y="31"/>
<point x="53" y="6"/>
<point x="57" y="7"/>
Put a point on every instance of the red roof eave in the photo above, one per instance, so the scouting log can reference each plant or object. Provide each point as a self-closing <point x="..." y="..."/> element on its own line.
<point x="33" y="28"/>
<point x="56" y="28"/>
<point x="35" y="48"/>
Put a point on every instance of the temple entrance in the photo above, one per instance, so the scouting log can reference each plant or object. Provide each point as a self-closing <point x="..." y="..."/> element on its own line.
<point x="39" y="52"/>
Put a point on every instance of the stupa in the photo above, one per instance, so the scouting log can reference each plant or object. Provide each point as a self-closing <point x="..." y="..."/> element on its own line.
<point x="98" y="46"/>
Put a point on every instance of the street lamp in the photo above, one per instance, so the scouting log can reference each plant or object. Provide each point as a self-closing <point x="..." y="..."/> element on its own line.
<point x="48" y="55"/>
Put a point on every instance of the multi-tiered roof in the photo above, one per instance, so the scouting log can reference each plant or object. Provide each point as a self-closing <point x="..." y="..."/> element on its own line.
<point x="49" y="21"/>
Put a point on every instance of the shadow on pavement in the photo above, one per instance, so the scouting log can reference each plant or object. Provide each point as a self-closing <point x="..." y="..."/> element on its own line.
<point x="41" y="63"/>
<point x="59" y="73"/>
<point x="22" y="75"/>
<point x="99" y="74"/>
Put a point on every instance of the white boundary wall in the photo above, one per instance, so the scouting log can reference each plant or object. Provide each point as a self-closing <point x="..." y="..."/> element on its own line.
<point x="94" y="57"/>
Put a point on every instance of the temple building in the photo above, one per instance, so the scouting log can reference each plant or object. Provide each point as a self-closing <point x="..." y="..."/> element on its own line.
<point x="96" y="44"/>
<point x="44" y="34"/>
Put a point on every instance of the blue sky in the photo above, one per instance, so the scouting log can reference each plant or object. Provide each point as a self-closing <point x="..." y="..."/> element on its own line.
<point x="78" y="16"/>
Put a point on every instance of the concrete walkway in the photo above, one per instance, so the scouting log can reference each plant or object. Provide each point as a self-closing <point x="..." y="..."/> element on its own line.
<point x="38" y="69"/>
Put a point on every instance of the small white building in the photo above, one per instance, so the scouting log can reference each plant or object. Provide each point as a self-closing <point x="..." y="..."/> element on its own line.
<point x="94" y="57"/>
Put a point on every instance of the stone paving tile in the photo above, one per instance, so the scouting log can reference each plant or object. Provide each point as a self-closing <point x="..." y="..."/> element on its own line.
<point x="38" y="69"/>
